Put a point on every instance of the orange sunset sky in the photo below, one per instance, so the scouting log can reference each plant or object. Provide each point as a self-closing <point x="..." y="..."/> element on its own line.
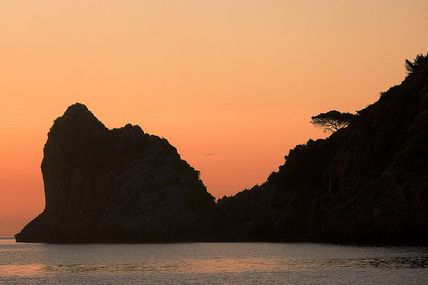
<point x="236" y="79"/>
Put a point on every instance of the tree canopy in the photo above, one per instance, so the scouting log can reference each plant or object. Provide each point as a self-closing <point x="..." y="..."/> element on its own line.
<point x="418" y="64"/>
<point x="332" y="121"/>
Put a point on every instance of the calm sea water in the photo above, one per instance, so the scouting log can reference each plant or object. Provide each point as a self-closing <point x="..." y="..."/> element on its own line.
<point x="210" y="263"/>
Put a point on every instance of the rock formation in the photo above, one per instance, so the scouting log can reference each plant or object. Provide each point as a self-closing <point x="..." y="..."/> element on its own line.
<point x="367" y="183"/>
<point x="119" y="185"/>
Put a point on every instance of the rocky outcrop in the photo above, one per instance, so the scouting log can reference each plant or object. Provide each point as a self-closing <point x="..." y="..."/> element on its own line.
<point x="119" y="185"/>
<point x="367" y="183"/>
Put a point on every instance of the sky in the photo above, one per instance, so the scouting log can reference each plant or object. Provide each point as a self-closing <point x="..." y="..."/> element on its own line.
<point x="238" y="79"/>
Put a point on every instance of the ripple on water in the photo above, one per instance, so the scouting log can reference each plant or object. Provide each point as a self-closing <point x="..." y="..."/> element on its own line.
<point x="198" y="263"/>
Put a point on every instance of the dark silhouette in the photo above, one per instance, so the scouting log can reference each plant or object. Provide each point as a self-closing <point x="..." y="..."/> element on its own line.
<point x="366" y="183"/>
<point x="332" y="121"/>
<point x="120" y="185"/>
<point x="419" y="64"/>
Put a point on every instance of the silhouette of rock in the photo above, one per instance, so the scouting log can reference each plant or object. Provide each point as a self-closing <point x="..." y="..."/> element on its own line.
<point x="366" y="183"/>
<point x="119" y="185"/>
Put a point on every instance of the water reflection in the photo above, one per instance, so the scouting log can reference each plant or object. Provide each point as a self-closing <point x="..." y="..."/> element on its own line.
<point x="211" y="263"/>
<point x="23" y="270"/>
<point x="227" y="265"/>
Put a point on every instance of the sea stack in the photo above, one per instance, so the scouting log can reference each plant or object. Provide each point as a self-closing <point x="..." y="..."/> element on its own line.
<point x="118" y="185"/>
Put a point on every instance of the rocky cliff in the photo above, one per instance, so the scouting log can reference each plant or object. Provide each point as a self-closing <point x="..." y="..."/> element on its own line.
<point x="367" y="183"/>
<point x="119" y="185"/>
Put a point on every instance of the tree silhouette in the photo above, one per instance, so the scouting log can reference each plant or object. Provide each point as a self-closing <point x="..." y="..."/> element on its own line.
<point x="418" y="64"/>
<point x="332" y="121"/>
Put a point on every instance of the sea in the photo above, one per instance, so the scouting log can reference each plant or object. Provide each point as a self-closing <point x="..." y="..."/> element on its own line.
<point x="210" y="263"/>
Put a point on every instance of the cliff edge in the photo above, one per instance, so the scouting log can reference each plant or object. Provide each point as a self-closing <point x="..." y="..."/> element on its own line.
<point x="119" y="185"/>
<point x="366" y="183"/>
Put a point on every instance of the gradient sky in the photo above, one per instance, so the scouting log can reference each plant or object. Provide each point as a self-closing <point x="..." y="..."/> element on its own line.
<point x="236" y="79"/>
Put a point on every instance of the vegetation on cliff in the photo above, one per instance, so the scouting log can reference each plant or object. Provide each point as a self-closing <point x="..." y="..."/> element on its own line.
<point x="366" y="183"/>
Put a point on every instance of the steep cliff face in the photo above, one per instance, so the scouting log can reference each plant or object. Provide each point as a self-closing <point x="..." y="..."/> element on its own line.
<point x="116" y="185"/>
<point x="365" y="183"/>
